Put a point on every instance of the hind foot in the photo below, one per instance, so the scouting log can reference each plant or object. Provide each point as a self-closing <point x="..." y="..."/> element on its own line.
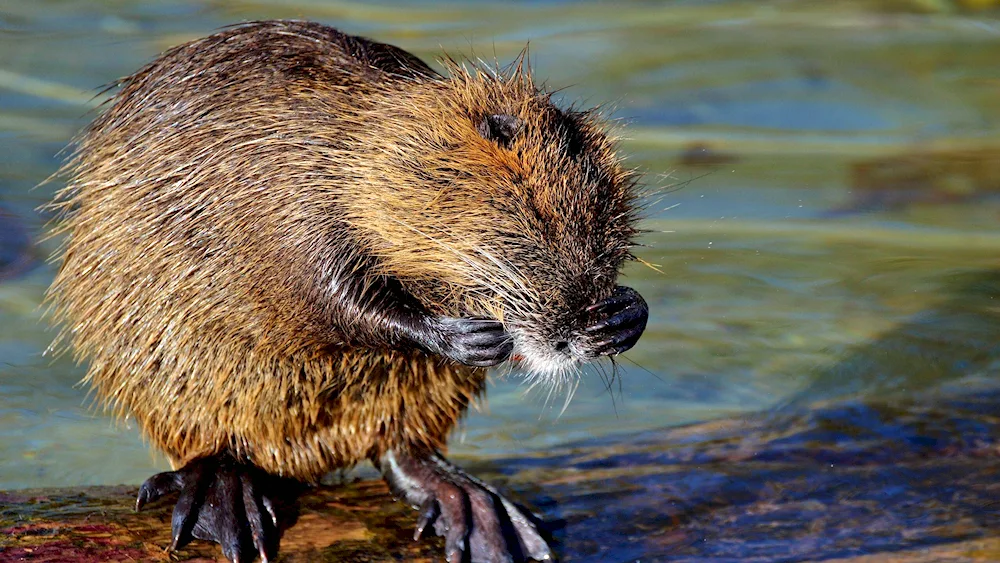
<point x="221" y="500"/>
<point x="477" y="523"/>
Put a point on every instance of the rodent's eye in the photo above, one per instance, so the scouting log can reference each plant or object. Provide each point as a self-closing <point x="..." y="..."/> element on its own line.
<point x="499" y="128"/>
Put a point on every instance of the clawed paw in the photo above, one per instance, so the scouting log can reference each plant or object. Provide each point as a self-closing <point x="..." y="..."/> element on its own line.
<point x="478" y="524"/>
<point x="223" y="501"/>
<point x="616" y="323"/>
<point x="473" y="342"/>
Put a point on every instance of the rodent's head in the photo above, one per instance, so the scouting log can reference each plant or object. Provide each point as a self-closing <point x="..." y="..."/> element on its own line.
<point x="497" y="203"/>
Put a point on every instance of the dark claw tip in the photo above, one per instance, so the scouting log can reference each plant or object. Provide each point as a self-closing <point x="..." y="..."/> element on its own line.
<point x="428" y="513"/>
<point x="476" y="522"/>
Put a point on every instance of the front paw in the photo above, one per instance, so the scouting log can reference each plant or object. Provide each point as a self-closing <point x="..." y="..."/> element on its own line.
<point x="473" y="342"/>
<point x="616" y="323"/>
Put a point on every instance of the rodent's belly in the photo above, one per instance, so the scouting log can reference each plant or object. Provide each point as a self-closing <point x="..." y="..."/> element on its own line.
<point x="306" y="414"/>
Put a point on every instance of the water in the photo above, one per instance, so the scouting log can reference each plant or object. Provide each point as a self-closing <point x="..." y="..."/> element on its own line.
<point x="782" y="277"/>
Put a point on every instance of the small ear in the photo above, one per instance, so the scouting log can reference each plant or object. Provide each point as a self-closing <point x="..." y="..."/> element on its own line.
<point x="499" y="128"/>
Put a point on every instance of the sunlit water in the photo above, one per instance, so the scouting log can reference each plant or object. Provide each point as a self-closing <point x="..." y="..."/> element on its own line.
<point x="763" y="292"/>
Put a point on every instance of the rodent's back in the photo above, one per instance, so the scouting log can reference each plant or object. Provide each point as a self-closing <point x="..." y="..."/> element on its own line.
<point x="195" y="192"/>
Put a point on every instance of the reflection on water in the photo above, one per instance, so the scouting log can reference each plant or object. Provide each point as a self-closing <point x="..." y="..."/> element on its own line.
<point x="912" y="480"/>
<point x="761" y="298"/>
<point x="15" y="247"/>
<point x="954" y="339"/>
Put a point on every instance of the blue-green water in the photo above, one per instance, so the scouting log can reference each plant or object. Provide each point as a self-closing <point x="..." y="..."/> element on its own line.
<point x="779" y="277"/>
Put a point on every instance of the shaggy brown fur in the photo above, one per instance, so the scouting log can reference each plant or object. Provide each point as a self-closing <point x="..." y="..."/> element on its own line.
<point x="239" y="214"/>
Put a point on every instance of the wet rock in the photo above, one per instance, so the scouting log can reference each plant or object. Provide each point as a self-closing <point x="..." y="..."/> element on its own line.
<point x="849" y="481"/>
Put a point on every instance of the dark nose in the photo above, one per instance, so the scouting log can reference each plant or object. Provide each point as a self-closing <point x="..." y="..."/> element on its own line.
<point x="615" y="324"/>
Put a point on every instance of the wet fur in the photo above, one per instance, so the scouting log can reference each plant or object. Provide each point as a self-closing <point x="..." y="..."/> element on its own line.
<point x="256" y="207"/>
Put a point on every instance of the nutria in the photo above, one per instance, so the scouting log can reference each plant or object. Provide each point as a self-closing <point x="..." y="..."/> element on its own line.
<point x="291" y="250"/>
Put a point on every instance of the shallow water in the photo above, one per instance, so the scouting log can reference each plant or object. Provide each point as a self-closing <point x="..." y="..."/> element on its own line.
<point x="781" y="277"/>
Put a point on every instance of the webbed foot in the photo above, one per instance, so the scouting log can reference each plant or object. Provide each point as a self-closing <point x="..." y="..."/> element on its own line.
<point x="478" y="524"/>
<point x="223" y="501"/>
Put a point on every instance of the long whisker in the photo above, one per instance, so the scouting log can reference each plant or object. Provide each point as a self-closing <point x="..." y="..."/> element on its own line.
<point x="614" y="370"/>
<point x="513" y="280"/>
<point x="643" y="368"/>
<point x="608" y="379"/>
<point x="483" y="267"/>
<point x="476" y="267"/>
<point x="569" y="396"/>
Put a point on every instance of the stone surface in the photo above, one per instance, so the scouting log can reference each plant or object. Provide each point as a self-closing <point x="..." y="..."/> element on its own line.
<point x="842" y="482"/>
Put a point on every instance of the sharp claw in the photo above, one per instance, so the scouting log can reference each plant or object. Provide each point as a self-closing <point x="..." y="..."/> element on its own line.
<point x="254" y="517"/>
<point x="467" y="512"/>
<point x="270" y="510"/>
<point x="428" y="513"/>
<point x="622" y="329"/>
<point x="622" y="298"/>
<point x="176" y="543"/>
<point x="232" y="552"/>
<point x="454" y="542"/>
<point x="258" y="542"/>
<point x="142" y="498"/>
<point x="615" y="345"/>
<point x="180" y="522"/>
<point x="609" y="302"/>
<point x="219" y="501"/>
<point x="533" y="544"/>
<point x="473" y="341"/>
<point x="155" y="487"/>
<point x="619" y="319"/>
<point x="603" y="344"/>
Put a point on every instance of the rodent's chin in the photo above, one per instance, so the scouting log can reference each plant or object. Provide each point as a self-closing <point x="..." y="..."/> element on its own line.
<point x="541" y="360"/>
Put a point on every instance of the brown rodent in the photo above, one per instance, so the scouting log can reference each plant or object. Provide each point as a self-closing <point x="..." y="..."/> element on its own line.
<point x="291" y="250"/>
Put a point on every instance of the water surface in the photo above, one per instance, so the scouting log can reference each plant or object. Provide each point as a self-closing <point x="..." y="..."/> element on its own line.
<point x="773" y="281"/>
